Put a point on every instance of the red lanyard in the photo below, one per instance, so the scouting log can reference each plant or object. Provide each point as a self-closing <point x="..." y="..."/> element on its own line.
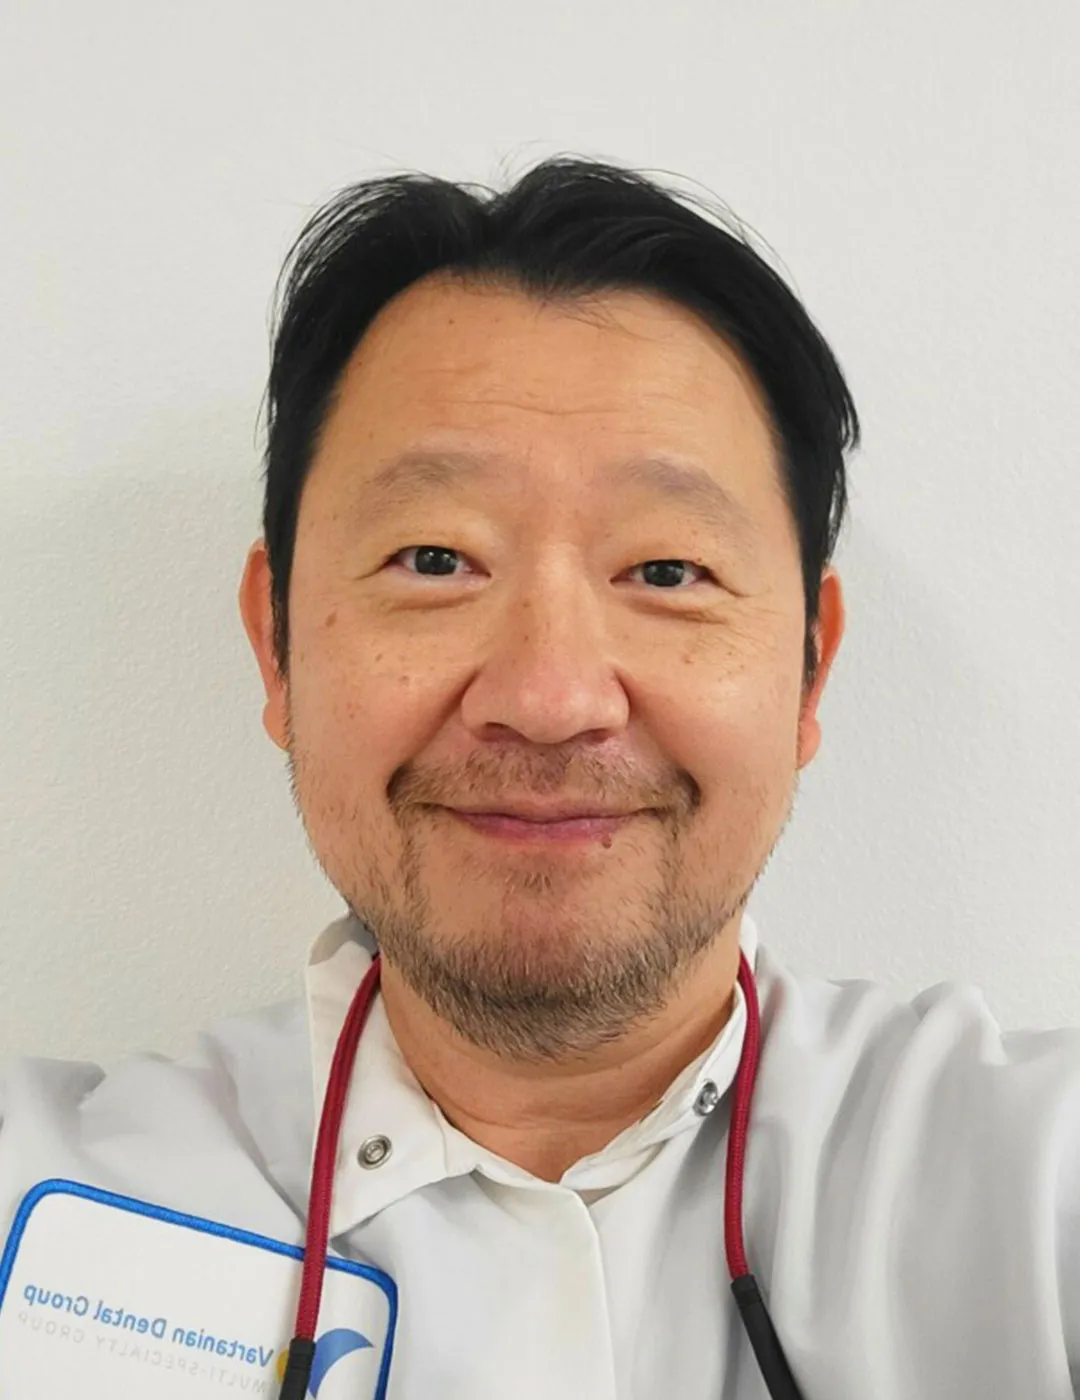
<point x="759" y="1327"/>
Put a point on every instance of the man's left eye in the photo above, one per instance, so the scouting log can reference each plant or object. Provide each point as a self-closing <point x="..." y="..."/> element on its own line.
<point x="665" y="569"/>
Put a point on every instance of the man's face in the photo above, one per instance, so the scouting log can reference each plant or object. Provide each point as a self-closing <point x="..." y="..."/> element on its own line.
<point x="513" y="635"/>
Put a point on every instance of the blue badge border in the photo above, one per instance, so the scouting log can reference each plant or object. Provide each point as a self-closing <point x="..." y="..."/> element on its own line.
<point x="60" y="1186"/>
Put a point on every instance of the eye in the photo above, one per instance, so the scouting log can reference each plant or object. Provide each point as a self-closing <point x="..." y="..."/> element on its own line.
<point x="428" y="554"/>
<point x="665" y="572"/>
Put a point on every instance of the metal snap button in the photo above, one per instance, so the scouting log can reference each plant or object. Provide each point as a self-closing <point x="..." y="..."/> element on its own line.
<point x="374" y="1151"/>
<point x="707" y="1099"/>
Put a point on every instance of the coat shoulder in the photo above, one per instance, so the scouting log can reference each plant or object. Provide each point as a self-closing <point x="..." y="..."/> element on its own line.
<point x="187" y="1132"/>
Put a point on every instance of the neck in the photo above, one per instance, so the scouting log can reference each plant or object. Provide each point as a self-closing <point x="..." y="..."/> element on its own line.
<point x="545" y="1118"/>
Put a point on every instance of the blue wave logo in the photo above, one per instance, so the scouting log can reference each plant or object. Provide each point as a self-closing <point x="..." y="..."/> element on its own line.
<point x="331" y="1348"/>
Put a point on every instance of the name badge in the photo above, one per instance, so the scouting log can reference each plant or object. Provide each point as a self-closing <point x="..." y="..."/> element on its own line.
<point x="104" y="1296"/>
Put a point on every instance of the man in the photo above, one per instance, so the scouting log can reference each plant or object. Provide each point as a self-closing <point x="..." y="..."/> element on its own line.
<point x="544" y="613"/>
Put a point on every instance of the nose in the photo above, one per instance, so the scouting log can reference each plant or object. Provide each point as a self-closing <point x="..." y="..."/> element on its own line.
<point x="547" y="672"/>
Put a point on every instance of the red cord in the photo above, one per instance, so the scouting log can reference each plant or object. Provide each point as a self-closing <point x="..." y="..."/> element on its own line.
<point x="322" y="1173"/>
<point x="737" y="1131"/>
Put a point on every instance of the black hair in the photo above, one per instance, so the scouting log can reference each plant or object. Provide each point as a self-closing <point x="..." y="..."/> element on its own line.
<point x="570" y="227"/>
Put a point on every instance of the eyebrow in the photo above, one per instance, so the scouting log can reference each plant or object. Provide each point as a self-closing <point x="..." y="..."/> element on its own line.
<point x="413" y="474"/>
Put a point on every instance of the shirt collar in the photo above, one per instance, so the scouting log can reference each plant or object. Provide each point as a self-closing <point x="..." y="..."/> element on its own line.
<point x="386" y="1100"/>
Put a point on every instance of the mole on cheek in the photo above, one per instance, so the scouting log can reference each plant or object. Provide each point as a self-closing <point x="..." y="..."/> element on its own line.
<point x="331" y="618"/>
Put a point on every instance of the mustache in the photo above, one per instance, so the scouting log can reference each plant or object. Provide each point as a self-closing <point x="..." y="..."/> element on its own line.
<point x="480" y="783"/>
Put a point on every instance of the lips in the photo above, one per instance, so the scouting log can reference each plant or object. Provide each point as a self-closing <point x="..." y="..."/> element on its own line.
<point x="531" y="813"/>
<point x="597" y="827"/>
<point x="548" y="820"/>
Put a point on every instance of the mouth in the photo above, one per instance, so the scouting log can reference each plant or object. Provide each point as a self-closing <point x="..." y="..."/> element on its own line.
<point x="567" y="830"/>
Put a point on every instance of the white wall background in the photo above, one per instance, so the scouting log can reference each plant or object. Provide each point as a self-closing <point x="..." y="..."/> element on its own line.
<point x="917" y="167"/>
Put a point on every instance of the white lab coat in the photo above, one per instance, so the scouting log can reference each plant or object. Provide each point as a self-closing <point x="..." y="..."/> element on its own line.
<point x="911" y="1210"/>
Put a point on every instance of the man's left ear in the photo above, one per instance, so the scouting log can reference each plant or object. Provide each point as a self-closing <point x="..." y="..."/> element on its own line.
<point x="827" y="634"/>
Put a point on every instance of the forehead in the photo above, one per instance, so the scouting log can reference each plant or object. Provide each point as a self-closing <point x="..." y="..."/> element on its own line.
<point x="577" y="354"/>
<point x="569" y="383"/>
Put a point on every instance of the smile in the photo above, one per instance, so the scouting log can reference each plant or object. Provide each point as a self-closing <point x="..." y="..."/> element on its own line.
<point x="573" y="830"/>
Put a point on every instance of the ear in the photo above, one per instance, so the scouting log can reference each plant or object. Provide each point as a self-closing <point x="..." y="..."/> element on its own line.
<point x="258" y="617"/>
<point x="828" y="634"/>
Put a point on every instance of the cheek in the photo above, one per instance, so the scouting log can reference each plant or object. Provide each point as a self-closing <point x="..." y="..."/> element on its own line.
<point x="344" y="718"/>
<point x="357" y="715"/>
<point x="734" y="728"/>
<point x="738" y="751"/>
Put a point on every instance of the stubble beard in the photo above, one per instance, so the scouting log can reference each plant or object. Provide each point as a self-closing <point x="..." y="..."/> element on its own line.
<point x="541" y="1001"/>
<point x="509" y="997"/>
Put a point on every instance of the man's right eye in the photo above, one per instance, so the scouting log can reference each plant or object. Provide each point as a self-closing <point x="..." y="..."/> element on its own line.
<point x="428" y="555"/>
